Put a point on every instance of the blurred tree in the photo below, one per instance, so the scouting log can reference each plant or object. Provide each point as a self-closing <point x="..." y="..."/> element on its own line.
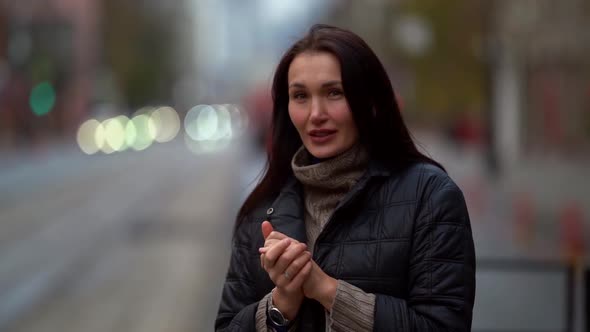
<point x="138" y="48"/>
<point x="449" y="75"/>
<point x="432" y="49"/>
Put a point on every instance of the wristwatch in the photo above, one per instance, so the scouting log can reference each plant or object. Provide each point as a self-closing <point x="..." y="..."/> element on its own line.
<point x="276" y="319"/>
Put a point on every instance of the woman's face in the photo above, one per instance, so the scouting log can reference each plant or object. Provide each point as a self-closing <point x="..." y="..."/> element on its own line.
<point x="317" y="105"/>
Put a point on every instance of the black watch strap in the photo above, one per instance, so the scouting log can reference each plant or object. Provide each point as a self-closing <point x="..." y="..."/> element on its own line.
<point x="275" y="318"/>
<point x="275" y="327"/>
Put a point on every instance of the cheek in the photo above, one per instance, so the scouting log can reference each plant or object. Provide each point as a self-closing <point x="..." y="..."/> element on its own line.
<point x="344" y="117"/>
<point x="297" y="117"/>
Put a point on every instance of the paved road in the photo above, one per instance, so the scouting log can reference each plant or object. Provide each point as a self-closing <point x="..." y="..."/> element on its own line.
<point x="128" y="242"/>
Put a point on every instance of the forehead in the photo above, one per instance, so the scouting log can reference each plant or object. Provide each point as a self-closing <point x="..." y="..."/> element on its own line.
<point x="310" y="67"/>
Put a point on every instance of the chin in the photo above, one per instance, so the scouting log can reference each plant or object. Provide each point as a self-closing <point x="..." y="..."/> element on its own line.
<point x="324" y="152"/>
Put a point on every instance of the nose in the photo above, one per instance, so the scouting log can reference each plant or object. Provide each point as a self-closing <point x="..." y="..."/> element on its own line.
<point x="317" y="113"/>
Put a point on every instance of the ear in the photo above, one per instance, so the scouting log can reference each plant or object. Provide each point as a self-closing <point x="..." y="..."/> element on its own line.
<point x="266" y="229"/>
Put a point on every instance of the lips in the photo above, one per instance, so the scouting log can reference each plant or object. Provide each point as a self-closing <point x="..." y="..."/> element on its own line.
<point x="320" y="136"/>
<point x="321" y="132"/>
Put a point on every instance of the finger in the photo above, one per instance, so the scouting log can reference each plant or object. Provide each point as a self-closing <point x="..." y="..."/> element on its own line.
<point x="274" y="252"/>
<point x="272" y="238"/>
<point x="277" y="272"/>
<point x="297" y="264"/>
<point x="266" y="228"/>
<point x="274" y="235"/>
<point x="262" y="261"/>
<point x="267" y="245"/>
<point x="287" y="257"/>
<point x="297" y="281"/>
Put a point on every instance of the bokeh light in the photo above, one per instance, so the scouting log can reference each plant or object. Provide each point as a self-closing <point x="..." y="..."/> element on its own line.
<point x="42" y="98"/>
<point x="239" y="119"/>
<point x="119" y="133"/>
<point x="86" y="136"/>
<point x="147" y="110"/>
<point x="124" y="121"/>
<point x="208" y="128"/>
<point x="224" y="125"/>
<point x="145" y="132"/>
<point x="190" y="121"/>
<point x="130" y="133"/>
<point x="100" y="137"/>
<point x="115" y="134"/>
<point x="206" y="123"/>
<point x="166" y="122"/>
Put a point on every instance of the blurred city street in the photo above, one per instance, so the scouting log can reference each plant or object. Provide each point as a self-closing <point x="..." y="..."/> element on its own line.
<point x="131" y="131"/>
<point x="86" y="246"/>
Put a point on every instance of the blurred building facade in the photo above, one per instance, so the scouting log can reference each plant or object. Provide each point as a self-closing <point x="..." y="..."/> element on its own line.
<point x="509" y="76"/>
<point x="50" y="41"/>
<point x="517" y="72"/>
<point x="544" y="52"/>
<point x="61" y="59"/>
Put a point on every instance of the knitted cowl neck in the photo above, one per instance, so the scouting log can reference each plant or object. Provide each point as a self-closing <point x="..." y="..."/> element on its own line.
<point x="325" y="183"/>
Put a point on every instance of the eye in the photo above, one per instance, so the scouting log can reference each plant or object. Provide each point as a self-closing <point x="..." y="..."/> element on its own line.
<point x="298" y="96"/>
<point x="335" y="93"/>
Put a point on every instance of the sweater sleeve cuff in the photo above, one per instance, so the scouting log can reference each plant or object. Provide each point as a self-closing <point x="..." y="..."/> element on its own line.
<point x="261" y="325"/>
<point x="261" y="313"/>
<point x="352" y="310"/>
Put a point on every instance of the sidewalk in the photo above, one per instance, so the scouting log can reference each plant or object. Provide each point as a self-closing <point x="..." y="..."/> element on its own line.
<point x="534" y="210"/>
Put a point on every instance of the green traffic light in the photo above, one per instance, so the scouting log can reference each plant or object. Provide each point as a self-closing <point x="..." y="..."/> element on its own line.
<point x="42" y="98"/>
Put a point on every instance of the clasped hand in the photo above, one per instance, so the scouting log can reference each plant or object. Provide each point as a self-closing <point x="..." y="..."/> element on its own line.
<point x="295" y="275"/>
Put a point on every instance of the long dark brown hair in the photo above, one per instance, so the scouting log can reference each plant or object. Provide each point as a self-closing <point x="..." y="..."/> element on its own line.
<point x="371" y="100"/>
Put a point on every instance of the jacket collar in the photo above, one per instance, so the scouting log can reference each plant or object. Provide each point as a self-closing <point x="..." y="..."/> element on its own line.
<point x="286" y="212"/>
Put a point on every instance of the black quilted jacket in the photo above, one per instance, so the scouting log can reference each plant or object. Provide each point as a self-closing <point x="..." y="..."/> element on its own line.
<point x="404" y="236"/>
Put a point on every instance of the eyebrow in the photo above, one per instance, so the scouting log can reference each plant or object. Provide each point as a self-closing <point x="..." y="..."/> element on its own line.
<point x="326" y="84"/>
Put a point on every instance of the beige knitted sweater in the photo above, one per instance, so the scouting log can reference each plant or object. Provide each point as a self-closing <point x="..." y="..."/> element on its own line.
<point x="324" y="184"/>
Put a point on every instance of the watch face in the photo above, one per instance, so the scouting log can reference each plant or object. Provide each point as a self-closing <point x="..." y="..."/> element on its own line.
<point x="276" y="317"/>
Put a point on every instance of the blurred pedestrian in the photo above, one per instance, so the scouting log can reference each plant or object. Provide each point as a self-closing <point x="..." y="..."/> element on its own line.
<point x="351" y="228"/>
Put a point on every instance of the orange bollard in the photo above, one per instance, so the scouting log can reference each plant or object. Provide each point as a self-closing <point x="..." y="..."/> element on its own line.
<point x="524" y="217"/>
<point x="571" y="219"/>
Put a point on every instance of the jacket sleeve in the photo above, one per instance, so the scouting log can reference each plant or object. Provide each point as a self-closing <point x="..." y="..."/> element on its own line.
<point x="239" y="300"/>
<point x="441" y="284"/>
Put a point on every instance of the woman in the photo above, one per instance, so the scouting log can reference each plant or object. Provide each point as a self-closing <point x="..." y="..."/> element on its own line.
<point x="351" y="228"/>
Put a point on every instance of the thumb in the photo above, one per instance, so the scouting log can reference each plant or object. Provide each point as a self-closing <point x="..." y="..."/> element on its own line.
<point x="266" y="229"/>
